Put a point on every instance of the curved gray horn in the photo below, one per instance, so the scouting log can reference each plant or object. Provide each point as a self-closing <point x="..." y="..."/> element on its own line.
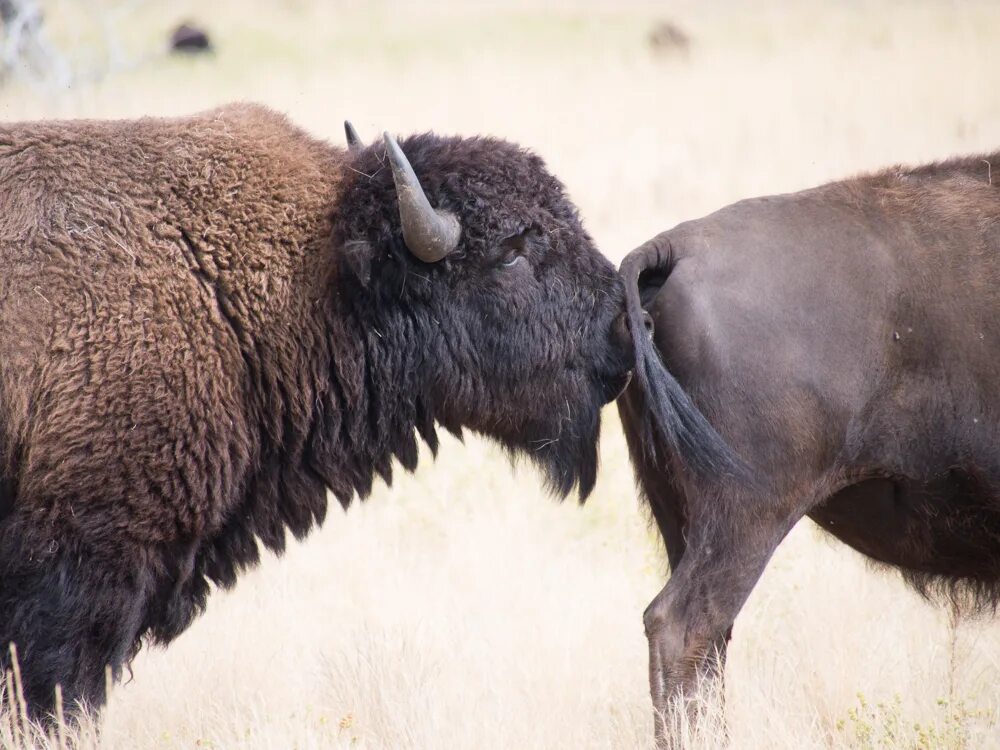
<point x="429" y="234"/>
<point x="353" y="140"/>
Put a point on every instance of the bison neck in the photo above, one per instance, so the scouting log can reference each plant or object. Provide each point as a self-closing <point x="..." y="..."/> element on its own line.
<point x="351" y="405"/>
<point x="373" y="405"/>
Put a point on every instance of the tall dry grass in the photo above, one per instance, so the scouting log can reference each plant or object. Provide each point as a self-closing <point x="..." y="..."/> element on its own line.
<point x="462" y="608"/>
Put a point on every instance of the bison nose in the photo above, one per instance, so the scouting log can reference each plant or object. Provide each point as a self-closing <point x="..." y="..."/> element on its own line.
<point x="623" y="336"/>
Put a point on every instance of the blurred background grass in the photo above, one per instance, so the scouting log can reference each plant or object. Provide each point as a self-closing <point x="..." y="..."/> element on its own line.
<point x="462" y="607"/>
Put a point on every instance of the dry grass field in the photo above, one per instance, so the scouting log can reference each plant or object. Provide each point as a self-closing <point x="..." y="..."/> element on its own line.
<point x="462" y="607"/>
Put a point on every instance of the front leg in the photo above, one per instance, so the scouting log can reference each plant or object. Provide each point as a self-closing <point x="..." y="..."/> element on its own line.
<point x="72" y="616"/>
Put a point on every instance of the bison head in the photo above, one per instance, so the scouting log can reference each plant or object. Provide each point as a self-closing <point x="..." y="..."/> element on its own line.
<point x="469" y="256"/>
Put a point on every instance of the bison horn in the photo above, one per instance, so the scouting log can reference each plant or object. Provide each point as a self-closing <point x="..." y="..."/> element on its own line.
<point x="353" y="140"/>
<point x="429" y="234"/>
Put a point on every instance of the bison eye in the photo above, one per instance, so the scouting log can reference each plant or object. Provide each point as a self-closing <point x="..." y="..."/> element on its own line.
<point x="514" y="248"/>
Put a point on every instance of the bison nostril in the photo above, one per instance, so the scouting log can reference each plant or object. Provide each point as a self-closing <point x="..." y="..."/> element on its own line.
<point x="647" y="322"/>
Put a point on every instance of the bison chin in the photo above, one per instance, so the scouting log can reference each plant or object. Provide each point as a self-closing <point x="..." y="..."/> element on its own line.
<point x="563" y="443"/>
<point x="565" y="449"/>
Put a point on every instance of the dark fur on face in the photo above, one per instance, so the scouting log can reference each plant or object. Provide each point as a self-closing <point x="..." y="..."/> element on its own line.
<point x="512" y="326"/>
<point x="227" y="325"/>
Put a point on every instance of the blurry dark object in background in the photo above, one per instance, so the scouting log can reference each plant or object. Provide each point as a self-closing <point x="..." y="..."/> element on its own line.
<point x="25" y="49"/>
<point x="667" y="38"/>
<point x="188" y="39"/>
<point x="8" y="10"/>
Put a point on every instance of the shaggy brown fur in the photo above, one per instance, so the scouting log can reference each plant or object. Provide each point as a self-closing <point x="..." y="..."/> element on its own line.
<point x="205" y="323"/>
<point x="844" y="342"/>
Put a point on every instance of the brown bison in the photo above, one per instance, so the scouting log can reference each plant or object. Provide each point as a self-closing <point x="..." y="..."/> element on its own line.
<point x="207" y="323"/>
<point x="845" y="342"/>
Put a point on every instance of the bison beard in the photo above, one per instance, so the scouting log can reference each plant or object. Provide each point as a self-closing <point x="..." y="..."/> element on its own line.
<point x="567" y="454"/>
<point x="208" y="324"/>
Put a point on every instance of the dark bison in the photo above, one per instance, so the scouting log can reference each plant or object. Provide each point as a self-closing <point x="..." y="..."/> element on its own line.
<point x="845" y="342"/>
<point x="207" y="323"/>
<point x="190" y="40"/>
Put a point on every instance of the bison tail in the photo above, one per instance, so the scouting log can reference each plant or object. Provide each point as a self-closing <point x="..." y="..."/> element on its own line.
<point x="670" y="418"/>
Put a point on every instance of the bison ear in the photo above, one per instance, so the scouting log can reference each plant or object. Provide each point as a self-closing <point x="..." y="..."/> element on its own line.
<point x="357" y="256"/>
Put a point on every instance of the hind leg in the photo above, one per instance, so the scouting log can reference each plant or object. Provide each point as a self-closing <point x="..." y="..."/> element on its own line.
<point x="665" y="500"/>
<point x="689" y="621"/>
<point x="72" y="617"/>
<point x="668" y="505"/>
